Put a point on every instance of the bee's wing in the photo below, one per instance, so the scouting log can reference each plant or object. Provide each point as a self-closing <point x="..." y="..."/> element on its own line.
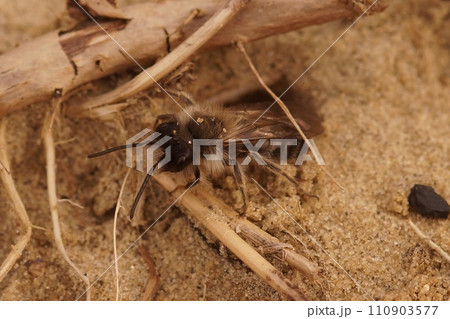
<point x="256" y="121"/>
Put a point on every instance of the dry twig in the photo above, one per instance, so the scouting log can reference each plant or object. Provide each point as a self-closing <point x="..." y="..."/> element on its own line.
<point x="428" y="240"/>
<point x="286" y="111"/>
<point x="150" y="289"/>
<point x="47" y="136"/>
<point x="219" y="227"/>
<point x="170" y="62"/>
<point x="75" y="57"/>
<point x="18" y="206"/>
<point x="268" y="243"/>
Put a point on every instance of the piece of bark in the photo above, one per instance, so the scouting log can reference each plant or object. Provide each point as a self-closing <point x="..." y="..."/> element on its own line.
<point x="167" y="64"/>
<point x="96" y="8"/>
<point x="67" y="59"/>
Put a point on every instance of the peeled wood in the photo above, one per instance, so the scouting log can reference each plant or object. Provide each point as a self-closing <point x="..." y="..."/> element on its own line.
<point x="220" y="228"/>
<point x="259" y="237"/>
<point x="66" y="60"/>
<point x="167" y="64"/>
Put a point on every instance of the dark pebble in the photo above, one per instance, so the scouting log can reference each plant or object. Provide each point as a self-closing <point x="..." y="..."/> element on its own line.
<point x="424" y="200"/>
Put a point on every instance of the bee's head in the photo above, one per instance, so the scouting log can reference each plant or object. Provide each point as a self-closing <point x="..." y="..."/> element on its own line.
<point x="180" y="155"/>
<point x="180" y="150"/>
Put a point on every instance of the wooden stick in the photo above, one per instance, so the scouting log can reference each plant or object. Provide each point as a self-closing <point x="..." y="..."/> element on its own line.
<point x="19" y="208"/>
<point x="49" y="145"/>
<point x="219" y="227"/>
<point x="259" y="237"/>
<point x="80" y="55"/>
<point x="171" y="61"/>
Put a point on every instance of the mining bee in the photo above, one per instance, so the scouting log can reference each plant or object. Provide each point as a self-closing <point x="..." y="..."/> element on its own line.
<point x="238" y="127"/>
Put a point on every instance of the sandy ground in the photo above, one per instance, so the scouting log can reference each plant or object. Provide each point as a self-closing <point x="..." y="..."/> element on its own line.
<point x="383" y="91"/>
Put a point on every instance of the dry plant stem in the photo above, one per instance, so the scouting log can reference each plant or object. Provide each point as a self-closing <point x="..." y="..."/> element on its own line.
<point x="106" y="112"/>
<point x="171" y="61"/>
<point x="150" y="289"/>
<point x="430" y="243"/>
<point x="219" y="227"/>
<point x="19" y="208"/>
<point x="259" y="237"/>
<point x="284" y="251"/>
<point x="279" y="101"/>
<point x="80" y="55"/>
<point x="116" y="214"/>
<point x="66" y="200"/>
<point x="285" y="110"/>
<point x="236" y="93"/>
<point x="53" y="199"/>
<point x="204" y="292"/>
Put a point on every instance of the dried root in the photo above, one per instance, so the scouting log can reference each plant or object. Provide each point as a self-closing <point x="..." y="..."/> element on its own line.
<point x="116" y="214"/>
<point x="152" y="284"/>
<point x="429" y="242"/>
<point x="49" y="145"/>
<point x="18" y="206"/>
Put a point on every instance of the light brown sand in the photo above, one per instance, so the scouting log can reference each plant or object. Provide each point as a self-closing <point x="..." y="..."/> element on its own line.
<point x="383" y="91"/>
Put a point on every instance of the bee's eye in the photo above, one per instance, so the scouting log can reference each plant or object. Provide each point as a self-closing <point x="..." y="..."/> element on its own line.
<point x="168" y="128"/>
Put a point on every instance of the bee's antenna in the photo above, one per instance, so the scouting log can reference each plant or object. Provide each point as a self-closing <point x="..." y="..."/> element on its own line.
<point x="113" y="149"/>
<point x="141" y="190"/>
<point x="120" y="147"/>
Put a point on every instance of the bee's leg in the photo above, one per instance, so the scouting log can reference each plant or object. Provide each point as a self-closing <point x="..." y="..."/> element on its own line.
<point x="276" y="170"/>
<point x="197" y="177"/>
<point x="196" y="172"/>
<point x="240" y="181"/>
